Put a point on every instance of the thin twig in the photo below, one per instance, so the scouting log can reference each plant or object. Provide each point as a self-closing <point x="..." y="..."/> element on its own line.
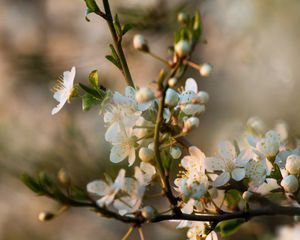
<point x="141" y="233"/>
<point x="127" y="235"/>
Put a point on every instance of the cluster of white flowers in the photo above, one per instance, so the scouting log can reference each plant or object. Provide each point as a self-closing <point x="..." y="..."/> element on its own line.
<point x="263" y="163"/>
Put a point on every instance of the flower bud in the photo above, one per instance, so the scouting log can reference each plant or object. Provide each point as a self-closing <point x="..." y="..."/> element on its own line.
<point x="63" y="177"/>
<point x="205" y="70"/>
<point x="182" y="18"/>
<point x="182" y="48"/>
<point x="247" y="195"/>
<point x="175" y="152"/>
<point x="45" y="216"/>
<point x="202" y="97"/>
<point x="171" y="98"/>
<point x="290" y="183"/>
<point x="148" y="212"/>
<point x="256" y="124"/>
<point x="190" y="123"/>
<point x="293" y="164"/>
<point x="139" y="43"/>
<point x="151" y="146"/>
<point x="144" y="94"/>
<point x="146" y="154"/>
<point x="172" y="82"/>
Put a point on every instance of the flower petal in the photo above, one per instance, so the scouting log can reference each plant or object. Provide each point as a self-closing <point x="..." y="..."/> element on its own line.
<point x="131" y="157"/>
<point x="238" y="174"/>
<point x="197" y="153"/>
<point x="243" y="158"/>
<point x="222" y="179"/>
<point x="214" y="164"/>
<point x="118" y="153"/>
<point x="191" y="85"/>
<point x="227" y="150"/>
<point x="97" y="187"/>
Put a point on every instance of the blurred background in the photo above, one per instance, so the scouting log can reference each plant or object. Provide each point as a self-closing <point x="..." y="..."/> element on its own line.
<point x="252" y="44"/>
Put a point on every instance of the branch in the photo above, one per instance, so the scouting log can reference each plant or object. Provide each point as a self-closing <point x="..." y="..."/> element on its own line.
<point x="117" y="43"/>
<point x="163" y="175"/>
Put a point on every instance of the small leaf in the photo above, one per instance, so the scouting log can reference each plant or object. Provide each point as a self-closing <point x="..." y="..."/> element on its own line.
<point x="94" y="79"/>
<point x="91" y="91"/>
<point x="229" y="227"/>
<point x="233" y="197"/>
<point x="91" y="5"/>
<point x="88" y="101"/>
<point x="276" y="173"/>
<point x="118" y="26"/>
<point x="32" y="183"/>
<point x="126" y="28"/>
<point x="114" y="61"/>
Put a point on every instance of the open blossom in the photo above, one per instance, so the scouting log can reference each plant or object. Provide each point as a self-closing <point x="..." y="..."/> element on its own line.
<point x="135" y="189"/>
<point x="64" y="89"/>
<point x="124" y="146"/>
<point x="193" y="182"/>
<point x="231" y="165"/>
<point x="108" y="190"/>
<point x="189" y="101"/>
<point x="269" y="145"/>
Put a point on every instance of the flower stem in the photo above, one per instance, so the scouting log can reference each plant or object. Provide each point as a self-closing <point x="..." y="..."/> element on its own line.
<point x="117" y="44"/>
<point x="158" y="58"/>
<point x="164" y="176"/>
<point x="127" y="235"/>
<point x="141" y="233"/>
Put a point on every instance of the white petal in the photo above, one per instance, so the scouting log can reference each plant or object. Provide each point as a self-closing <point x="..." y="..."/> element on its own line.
<point x="197" y="153"/>
<point x="120" y="180"/>
<point x="139" y="176"/>
<point x="188" y="207"/>
<point x="130" y="92"/>
<point x="186" y="97"/>
<point x="97" y="187"/>
<point x="131" y="157"/>
<point x="118" y="153"/>
<point x="148" y="169"/>
<point x="191" y="85"/>
<point x="238" y="174"/>
<point x="214" y="164"/>
<point x="192" y="109"/>
<point x="58" y="107"/>
<point x="227" y="150"/>
<point x="222" y="179"/>
<point x="212" y="236"/>
<point x="243" y="158"/>
<point x="112" y="133"/>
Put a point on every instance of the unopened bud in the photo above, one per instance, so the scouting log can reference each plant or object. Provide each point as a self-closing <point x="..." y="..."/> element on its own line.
<point x="192" y="109"/>
<point x="293" y="164"/>
<point x="140" y="43"/>
<point x="146" y="154"/>
<point x="45" y="216"/>
<point x="182" y="48"/>
<point x="182" y="18"/>
<point x="63" y="177"/>
<point x="247" y="195"/>
<point x="190" y="123"/>
<point x="205" y="70"/>
<point x="151" y="146"/>
<point x="172" y="82"/>
<point x="171" y="98"/>
<point x="175" y="152"/>
<point x="290" y="183"/>
<point x="256" y="124"/>
<point x="148" y="212"/>
<point x="144" y="94"/>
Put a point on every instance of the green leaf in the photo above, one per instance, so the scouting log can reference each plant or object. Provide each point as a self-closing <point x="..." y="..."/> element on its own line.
<point x="229" y="227"/>
<point x="232" y="198"/>
<point x="91" y="91"/>
<point x="126" y="28"/>
<point x="166" y="159"/>
<point x="118" y="26"/>
<point x="94" y="79"/>
<point x="88" y="101"/>
<point x="276" y="173"/>
<point x="91" y="5"/>
<point x="32" y="183"/>
<point x="116" y="62"/>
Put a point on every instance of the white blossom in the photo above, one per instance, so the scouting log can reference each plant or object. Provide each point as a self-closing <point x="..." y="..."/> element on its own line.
<point x="182" y="48"/>
<point x="205" y="69"/>
<point x="107" y="190"/>
<point x="293" y="164"/>
<point x="290" y="184"/>
<point x="189" y="103"/>
<point x="231" y="165"/>
<point x="64" y="89"/>
<point x="193" y="183"/>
